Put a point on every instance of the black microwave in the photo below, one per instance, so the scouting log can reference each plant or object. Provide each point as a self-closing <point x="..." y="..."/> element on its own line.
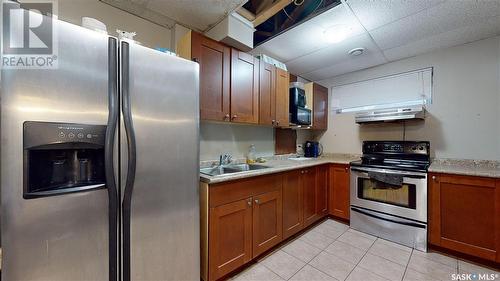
<point x="300" y="115"/>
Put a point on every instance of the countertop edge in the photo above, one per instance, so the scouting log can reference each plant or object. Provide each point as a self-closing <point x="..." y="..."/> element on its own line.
<point x="272" y="170"/>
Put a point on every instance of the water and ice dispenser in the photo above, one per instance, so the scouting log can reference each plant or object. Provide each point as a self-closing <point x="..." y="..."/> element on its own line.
<point x="61" y="158"/>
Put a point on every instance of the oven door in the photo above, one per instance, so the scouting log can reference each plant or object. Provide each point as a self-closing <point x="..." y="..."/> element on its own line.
<point x="398" y="193"/>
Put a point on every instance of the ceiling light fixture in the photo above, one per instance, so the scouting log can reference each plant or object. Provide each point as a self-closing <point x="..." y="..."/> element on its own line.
<point x="356" y="52"/>
<point x="336" y="33"/>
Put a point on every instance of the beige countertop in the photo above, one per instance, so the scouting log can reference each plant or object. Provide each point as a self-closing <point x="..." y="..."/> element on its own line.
<point x="481" y="168"/>
<point x="281" y="164"/>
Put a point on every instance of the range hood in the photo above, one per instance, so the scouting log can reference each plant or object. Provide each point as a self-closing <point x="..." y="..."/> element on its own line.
<point x="391" y="114"/>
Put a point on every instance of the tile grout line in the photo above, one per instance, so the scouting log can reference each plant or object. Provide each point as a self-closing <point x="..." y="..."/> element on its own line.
<point x="357" y="264"/>
<point x="276" y="272"/>
<point x="327" y="253"/>
<point x="407" y="264"/>
<point x="434" y="261"/>
<point x="307" y="263"/>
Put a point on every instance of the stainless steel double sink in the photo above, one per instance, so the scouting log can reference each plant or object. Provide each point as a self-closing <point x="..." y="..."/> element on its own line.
<point x="230" y="169"/>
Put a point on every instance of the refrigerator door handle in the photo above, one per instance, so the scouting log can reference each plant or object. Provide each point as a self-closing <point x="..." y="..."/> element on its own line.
<point x="131" y="165"/>
<point x="113" y="111"/>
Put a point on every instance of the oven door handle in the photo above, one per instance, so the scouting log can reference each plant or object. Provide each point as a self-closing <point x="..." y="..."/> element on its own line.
<point x="385" y="171"/>
<point x="374" y="215"/>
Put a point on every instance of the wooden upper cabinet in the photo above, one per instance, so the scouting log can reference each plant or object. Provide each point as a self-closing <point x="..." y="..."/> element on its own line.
<point x="308" y="182"/>
<point x="464" y="214"/>
<point x="322" y="190"/>
<point x="293" y="220"/>
<point x="230" y="237"/>
<point x="267" y="94"/>
<point x="267" y="221"/>
<point x="339" y="191"/>
<point x="282" y="98"/>
<point x="214" y="59"/>
<point x="320" y="107"/>
<point x="244" y="87"/>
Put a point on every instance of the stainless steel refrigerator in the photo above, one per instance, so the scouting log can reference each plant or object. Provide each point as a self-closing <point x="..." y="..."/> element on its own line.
<point x="99" y="164"/>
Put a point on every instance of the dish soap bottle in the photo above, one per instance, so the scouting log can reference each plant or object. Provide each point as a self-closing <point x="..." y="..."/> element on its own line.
<point x="251" y="154"/>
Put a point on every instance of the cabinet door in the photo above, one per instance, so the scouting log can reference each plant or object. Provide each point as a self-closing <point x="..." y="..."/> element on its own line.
<point x="230" y="237"/>
<point x="465" y="214"/>
<point x="308" y="182"/>
<point x="267" y="221"/>
<point x="267" y="94"/>
<point x="293" y="220"/>
<point x="282" y="98"/>
<point x="339" y="191"/>
<point x="322" y="190"/>
<point x="320" y="107"/>
<point x="244" y="87"/>
<point x="214" y="59"/>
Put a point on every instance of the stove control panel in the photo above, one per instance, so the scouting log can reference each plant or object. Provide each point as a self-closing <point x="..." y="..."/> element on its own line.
<point x="396" y="147"/>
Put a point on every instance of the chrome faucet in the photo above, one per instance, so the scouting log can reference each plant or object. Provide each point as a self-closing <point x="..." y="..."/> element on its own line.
<point x="225" y="159"/>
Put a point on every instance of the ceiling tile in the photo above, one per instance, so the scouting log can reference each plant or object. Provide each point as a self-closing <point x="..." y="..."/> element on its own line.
<point x="307" y="37"/>
<point x="200" y="14"/>
<point x="489" y="28"/>
<point x="373" y="14"/>
<point x="441" y="18"/>
<point x="353" y="64"/>
<point x="335" y="53"/>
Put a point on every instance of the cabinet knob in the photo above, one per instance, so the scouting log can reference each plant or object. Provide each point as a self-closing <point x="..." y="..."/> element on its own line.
<point x="249" y="202"/>
<point x="235" y="116"/>
<point x="347" y="169"/>
<point x="227" y="116"/>
<point x="302" y="172"/>
<point x="434" y="178"/>
<point x="256" y="201"/>
<point x="196" y="60"/>
<point x="273" y="121"/>
<point x="277" y="122"/>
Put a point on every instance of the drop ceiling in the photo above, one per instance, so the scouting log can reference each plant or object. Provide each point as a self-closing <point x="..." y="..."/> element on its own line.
<point x="388" y="30"/>
<point x="199" y="15"/>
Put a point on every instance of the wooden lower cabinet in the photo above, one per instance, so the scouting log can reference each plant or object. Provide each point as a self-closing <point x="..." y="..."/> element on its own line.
<point x="245" y="218"/>
<point x="230" y="236"/>
<point x="339" y="191"/>
<point x="308" y="183"/>
<point x="267" y="221"/>
<point x="293" y="220"/>
<point x="464" y="214"/>
<point x="322" y="190"/>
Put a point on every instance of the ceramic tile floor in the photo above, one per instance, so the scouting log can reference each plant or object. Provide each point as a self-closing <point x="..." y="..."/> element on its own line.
<point x="333" y="251"/>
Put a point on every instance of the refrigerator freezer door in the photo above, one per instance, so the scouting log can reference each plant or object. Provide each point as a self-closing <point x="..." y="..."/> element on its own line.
<point x="61" y="237"/>
<point x="164" y="202"/>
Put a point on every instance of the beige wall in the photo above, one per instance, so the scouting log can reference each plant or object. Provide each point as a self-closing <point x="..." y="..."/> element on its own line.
<point x="148" y="33"/>
<point x="216" y="139"/>
<point x="464" y="118"/>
